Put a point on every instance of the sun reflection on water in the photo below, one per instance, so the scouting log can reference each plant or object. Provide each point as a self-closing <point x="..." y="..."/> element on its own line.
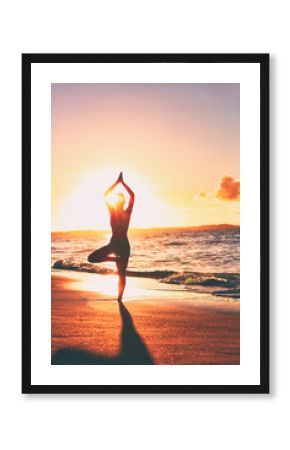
<point x="107" y="285"/>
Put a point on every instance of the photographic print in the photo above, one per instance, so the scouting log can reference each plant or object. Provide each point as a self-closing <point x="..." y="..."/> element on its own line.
<point x="154" y="279"/>
<point x="144" y="250"/>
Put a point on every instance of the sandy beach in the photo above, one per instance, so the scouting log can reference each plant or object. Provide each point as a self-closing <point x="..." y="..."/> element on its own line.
<point x="152" y="326"/>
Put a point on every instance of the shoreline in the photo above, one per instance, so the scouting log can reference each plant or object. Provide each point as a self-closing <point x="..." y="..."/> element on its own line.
<point x="162" y="279"/>
<point x="152" y="326"/>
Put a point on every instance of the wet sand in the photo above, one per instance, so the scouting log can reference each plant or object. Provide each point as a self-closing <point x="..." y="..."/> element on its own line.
<point x="150" y="327"/>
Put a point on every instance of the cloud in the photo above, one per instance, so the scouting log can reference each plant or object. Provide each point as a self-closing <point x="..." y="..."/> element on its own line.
<point x="201" y="196"/>
<point x="229" y="189"/>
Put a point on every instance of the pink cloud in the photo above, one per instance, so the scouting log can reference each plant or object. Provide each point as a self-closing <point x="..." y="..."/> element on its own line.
<point x="229" y="189"/>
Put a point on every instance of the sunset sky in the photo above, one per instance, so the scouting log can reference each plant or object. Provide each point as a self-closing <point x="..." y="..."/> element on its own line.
<point x="178" y="146"/>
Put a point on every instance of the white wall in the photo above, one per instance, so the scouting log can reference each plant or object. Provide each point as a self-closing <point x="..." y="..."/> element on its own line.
<point x="201" y="422"/>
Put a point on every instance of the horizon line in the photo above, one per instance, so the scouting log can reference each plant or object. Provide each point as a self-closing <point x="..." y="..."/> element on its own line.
<point x="192" y="227"/>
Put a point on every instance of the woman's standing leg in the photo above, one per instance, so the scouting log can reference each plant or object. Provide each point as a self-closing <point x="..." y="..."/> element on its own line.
<point x="122" y="263"/>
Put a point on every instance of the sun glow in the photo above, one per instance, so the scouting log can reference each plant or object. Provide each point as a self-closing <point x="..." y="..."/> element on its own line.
<point x="115" y="197"/>
<point x="85" y="207"/>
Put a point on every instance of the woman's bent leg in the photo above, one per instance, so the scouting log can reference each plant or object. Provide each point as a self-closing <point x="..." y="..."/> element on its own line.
<point x="102" y="254"/>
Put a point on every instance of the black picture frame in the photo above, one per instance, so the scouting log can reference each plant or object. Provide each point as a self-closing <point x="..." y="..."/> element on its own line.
<point x="263" y="61"/>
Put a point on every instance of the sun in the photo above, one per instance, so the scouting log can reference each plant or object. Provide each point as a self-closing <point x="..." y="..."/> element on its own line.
<point x="85" y="206"/>
<point x="115" y="196"/>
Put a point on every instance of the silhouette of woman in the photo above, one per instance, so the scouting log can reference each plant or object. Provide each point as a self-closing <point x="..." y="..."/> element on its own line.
<point x="119" y="244"/>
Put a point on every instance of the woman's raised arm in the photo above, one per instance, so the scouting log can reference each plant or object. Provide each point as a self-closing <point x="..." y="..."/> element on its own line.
<point x="130" y="192"/>
<point x="119" y="180"/>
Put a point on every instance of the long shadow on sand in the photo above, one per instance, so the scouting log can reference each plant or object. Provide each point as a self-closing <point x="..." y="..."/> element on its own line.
<point x="132" y="348"/>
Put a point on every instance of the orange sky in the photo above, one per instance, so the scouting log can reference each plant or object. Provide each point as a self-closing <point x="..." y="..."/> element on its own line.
<point x="177" y="144"/>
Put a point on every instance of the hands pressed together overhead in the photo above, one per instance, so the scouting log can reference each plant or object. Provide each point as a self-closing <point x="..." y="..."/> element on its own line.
<point x="121" y="181"/>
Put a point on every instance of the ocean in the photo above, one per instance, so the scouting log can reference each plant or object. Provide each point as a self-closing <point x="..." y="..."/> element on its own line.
<point x="199" y="260"/>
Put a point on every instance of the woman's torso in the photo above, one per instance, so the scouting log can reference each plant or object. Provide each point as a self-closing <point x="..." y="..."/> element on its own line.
<point x="120" y="224"/>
